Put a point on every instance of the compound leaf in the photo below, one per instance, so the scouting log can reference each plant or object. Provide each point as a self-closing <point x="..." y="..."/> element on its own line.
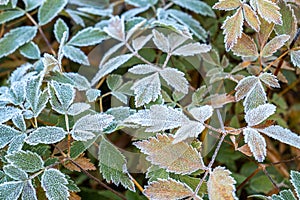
<point x="259" y="114"/>
<point x="175" y="79"/>
<point x="179" y="158"/>
<point x="87" y="37"/>
<point x="50" y="9"/>
<point x="256" y="142"/>
<point x="54" y="183"/>
<point x="46" y="135"/>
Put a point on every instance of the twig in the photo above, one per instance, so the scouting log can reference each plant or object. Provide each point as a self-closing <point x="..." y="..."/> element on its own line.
<point x="248" y="178"/>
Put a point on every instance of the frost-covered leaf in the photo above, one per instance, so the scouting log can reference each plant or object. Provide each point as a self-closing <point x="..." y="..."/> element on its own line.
<point x="220" y="184"/>
<point x="191" y="49"/>
<point x="273" y="45"/>
<point x="7" y="113"/>
<point x="29" y="192"/>
<point x="30" y="50"/>
<point x="245" y="46"/>
<point x="189" y="129"/>
<point x="154" y="173"/>
<point x="50" y="9"/>
<point x="168" y="189"/>
<point x="268" y="10"/>
<point x="75" y="16"/>
<point x="143" y="69"/>
<point x="295" y="180"/>
<point x="11" y="190"/>
<point x="284" y="135"/>
<point x="32" y="4"/>
<point x="4" y="2"/>
<point x="269" y="79"/>
<point x="179" y="158"/>
<point x="78" y="81"/>
<point x="46" y="135"/>
<point x="233" y="27"/>
<point x="158" y="118"/>
<point x="49" y="62"/>
<point x="146" y="89"/>
<point x="112" y="165"/>
<point x="283" y="195"/>
<point x="41" y="104"/>
<point x="15" y="173"/>
<point x="295" y="58"/>
<point x="26" y="160"/>
<point x="110" y="66"/>
<point x="54" y="183"/>
<point x="160" y="41"/>
<point x="75" y="54"/>
<point x="175" y="79"/>
<point x="33" y="91"/>
<point x="196" y="6"/>
<point x="259" y="114"/>
<point x="59" y="28"/>
<point x="20" y="73"/>
<point x="114" y="81"/>
<point x="92" y="94"/>
<point x="141" y="3"/>
<point x="116" y="28"/>
<point x="227" y="4"/>
<point x="83" y="128"/>
<point x="9" y="15"/>
<point x="87" y="37"/>
<point x="7" y="135"/>
<point x="19" y="122"/>
<point x="11" y="41"/>
<point x="256" y="142"/>
<point x="244" y="87"/>
<point x="251" y="17"/>
<point x="140" y="42"/>
<point x="77" y="108"/>
<point x="202" y="113"/>
<point x="17" y="143"/>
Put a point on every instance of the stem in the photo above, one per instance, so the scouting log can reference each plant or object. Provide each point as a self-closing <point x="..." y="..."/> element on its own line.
<point x="100" y="101"/>
<point x="248" y="178"/>
<point x="136" y="54"/>
<point x="35" y="123"/>
<point x="167" y="60"/>
<point x="69" y="135"/>
<point x="101" y="82"/>
<point x="136" y="184"/>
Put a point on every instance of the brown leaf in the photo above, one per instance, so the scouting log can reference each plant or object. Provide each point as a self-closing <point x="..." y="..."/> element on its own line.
<point x="256" y="143"/>
<point x="168" y="189"/>
<point x="83" y="162"/>
<point x="233" y="131"/>
<point x="264" y="32"/>
<point x="179" y="158"/>
<point x="74" y="196"/>
<point x="220" y="185"/>
<point x="273" y="45"/>
<point x="233" y="27"/>
<point x="227" y="4"/>
<point x="245" y="149"/>
<point x="245" y="46"/>
<point x="251" y="17"/>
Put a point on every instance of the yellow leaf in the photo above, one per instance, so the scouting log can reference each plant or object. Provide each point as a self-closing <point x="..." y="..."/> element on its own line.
<point x="268" y="10"/>
<point x="251" y="17"/>
<point x="227" y="4"/>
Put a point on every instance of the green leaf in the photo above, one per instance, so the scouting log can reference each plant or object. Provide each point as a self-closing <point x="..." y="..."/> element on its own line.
<point x="256" y="142"/>
<point x="7" y="113"/>
<point x="33" y="91"/>
<point x="78" y="147"/>
<point x="19" y="122"/>
<point x="59" y="28"/>
<point x="30" y="50"/>
<point x="26" y="160"/>
<point x="29" y="192"/>
<point x="9" y="15"/>
<point x="11" y="190"/>
<point x="75" y="54"/>
<point x="155" y="172"/>
<point x="7" y="135"/>
<point x="50" y="9"/>
<point x="77" y="108"/>
<point x="295" y="179"/>
<point x="65" y="94"/>
<point x="196" y="6"/>
<point x="92" y="94"/>
<point x="17" y="143"/>
<point x="112" y="165"/>
<point x="114" y="81"/>
<point x="87" y="37"/>
<point x="275" y="44"/>
<point x="32" y="4"/>
<point x="11" y="41"/>
<point x="54" y="183"/>
<point x="295" y="58"/>
<point x="15" y="173"/>
<point x="46" y="135"/>
<point x="141" y="3"/>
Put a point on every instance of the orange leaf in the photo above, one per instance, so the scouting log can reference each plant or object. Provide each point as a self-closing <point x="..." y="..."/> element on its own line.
<point x="83" y="162"/>
<point x="251" y="17"/>
<point x="74" y="196"/>
<point x="245" y="46"/>
<point x="245" y="149"/>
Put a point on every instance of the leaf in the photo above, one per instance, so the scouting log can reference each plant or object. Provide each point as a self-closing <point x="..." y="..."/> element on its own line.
<point x="160" y="41"/>
<point x="141" y="3"/>
<point x="19" y="122"/>
<point x="273" y="45"/>
<point x="15" y="173"/>
<point x="54" y="183"/>
<point x="77" y="108"/>
<point x="7" y="135"/>
<point x="158" y="118"/>
<point x="110" y="66"/>
<point x="83" y="128"/>
<point x="32" y="4"/>
<point x="112" y="165"/>
<point x="144" y="69"/>
<point x="11" y="41"/>
<point x="196" y="6"/>
<point x="168" y="189"/>
<point x="233" y="27"/>
<point x="220" y="184"/>
<point x="26" y="160"/>
<point x="75" y="54"/>
<point x="30" y="50"/>
<point x="9" y="15"/>
<point x="257" y="115"/>
<point x="4" y="2"/>
<point x="175" y="79"/>
<point x="191" y="49"/>
<point x="295" y="58"/>
<point x="83" y="162"/>
<point x="268" y="10"/>
<point x="64" y="94"/>
<point x="7" y="113"/>
<point x="59" y="28"/>
<point x="140" y="42"/>
<point x="11" y="190"/>
<point x="49" y="10"/>
<point x="92" y="94"/>
<point x="251" y="17"/>
<point x="75" y="17"/>
<point x="116" y="28"/>
<point x="256" y="142"/>
<point x="295" y="180"/>
<point x="79" y="147"/>
<point x="282" y="134"/>
<point x="46" y="135"/>
<point x="29" y="192"/>
<point x="79" y="81"/>
<point x="154" y="173"/>
<point x="17" y="143"/>
<point x="179" y="158"/>
<point x="269" y="79"/>
<point x="114" y="81"/>
<point x="202" y="113"/>
<point x="33" y="91"/>
<point x="146" y="89"/>
<point x="87" y="37"/>
<point x="227" y="4"/>
<point x="189" y="129"/>
<point x="245" y="46"/>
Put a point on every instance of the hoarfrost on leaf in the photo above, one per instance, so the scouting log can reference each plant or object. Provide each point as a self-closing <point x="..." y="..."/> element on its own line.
<point x="259" y="114"/>
<point x="256" y="142"/>
<point x="11" y="190"/>
<point x="15" y="173"/>
<point x="116" y="28"/>
<point x="7" y="135"/>
<point x="269" y="79"/>
<point x="46" y="135"/>
<point x="144" y="69"/>
<point x="29" y="192"/>
<point x="202" y="113"/>
<point x="77" y="108"/>
<point x="175" y="79"/>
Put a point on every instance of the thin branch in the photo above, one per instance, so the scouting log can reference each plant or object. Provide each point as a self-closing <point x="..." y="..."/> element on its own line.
<point x="248" y="178"/>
